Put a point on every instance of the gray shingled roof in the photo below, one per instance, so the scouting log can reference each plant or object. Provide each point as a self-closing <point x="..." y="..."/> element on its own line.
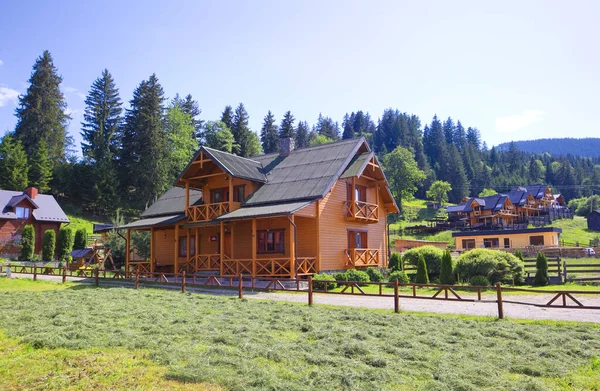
<point x="45" y="207"/>
<point x="305" y="174"/>
<point x="171" y="203"/>
<point x="264" y="211"/>
<point x="154" y="221"/>
<point x="357" y="165"/>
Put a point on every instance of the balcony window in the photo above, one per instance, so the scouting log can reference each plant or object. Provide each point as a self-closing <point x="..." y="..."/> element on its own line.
<point x="360" y="193"/>
<point x="21" y="212"/>
<point x="219" y="195"/>
<point x="183" y="246"/>
<point x="357" y="239"/>
<point x="239" y="193"/>
<point x="272" y="241"/>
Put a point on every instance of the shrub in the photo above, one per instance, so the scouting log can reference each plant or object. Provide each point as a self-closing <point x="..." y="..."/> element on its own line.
<point x="541" y="273"/>
<point x="324" y="277"/>
<point x="399" y="275"/>
<point x="479" y="281"/>
<point x="432" y="255"/>
<point x="395" y="262"/>
<point x="446" y="272"/>
<point x="357" y="276"/>
<point x="48" y="245"/>
<point x="340" y="276"/>
<point x="519" y="254"/>
<point x="496" y="266"/>
<point x="375" y="275"/>
<point x="422" y="275"/>
<point x="80" y="239"/>
<point x="27" y="243"/>
<point x="64" y="245"/>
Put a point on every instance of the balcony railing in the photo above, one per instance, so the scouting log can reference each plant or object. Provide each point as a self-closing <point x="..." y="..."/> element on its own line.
<point x="362" y="257"/>
<point x="269" y="267"/>
<point x="361" y="211"/>
<point x="207" y="212"/>
<point x="201" y="262"/>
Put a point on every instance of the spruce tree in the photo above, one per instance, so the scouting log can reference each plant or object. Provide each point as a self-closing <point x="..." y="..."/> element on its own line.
<point x="302" y="134"/>
<point x="227" y="117"/>
<point x="269" y="134"/>
<point x="541" y="273"/>
<point x="27" y="243"/>
<point x="13" y="165"/>
<point x="241" y="130"/>
<point x="457" y="175"/>
<point x="348" y="126"/>
<point x="422" y="276"/>
<point x="144" y="156"/>
<point x="190" y="107"/>
<point x="40" y="168"/>
<point x="446" y="272"/>
<point x="81" y="239"/>
<point x="41" y="113"/>
<point x="287" y="125"/>
<point x="48" y="245"/>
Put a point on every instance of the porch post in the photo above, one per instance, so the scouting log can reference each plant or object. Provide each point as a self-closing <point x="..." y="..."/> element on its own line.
<point x="231" y="201"/>
<point x="176" y="250"/>
<point x="253" y="247"/>
<point x="353" y="196"/>
<point x="198" y="249"/>
<point x="292" y="249"/>
<point x="127" y="250"/>
<point x="231" y="252"/>
<point x="187" y="196"/>
<point x="318" y="236"/>
<point x="222" y="246"/>
<point x="151" y="249"/>
<point x="187" y="249"/>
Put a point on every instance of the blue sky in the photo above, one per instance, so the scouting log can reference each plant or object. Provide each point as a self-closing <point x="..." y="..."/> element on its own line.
<point x="514" y="69"/>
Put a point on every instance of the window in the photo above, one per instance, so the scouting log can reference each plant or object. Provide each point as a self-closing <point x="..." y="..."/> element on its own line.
<point x="357" y="239"/>
<point x="360" y="193"/>
<point x="21" y="212"/>
<point x="271" y="241"/>
<point x="536" y="240"/>
<point x="183" y="246"/>
<point x="468" y="243"/>
<point x="506" y="243"/>
<point x="219" y="195"/>
<point x="491" y="242"/>
<point x="238" y="193"/>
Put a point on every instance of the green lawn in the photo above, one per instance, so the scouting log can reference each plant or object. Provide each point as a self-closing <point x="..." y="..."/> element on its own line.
<point x="81" y="222"/>
<point x="108" y="338"/>
<point x="575" y="230"/>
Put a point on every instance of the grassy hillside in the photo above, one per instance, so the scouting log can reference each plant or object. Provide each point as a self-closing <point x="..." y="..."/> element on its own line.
<point x="417" y="213"/>
<point x="575" y="230"/>
<point x="81" y="222"/>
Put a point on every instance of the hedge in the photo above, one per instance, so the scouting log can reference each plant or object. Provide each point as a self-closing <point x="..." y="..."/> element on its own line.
<point x="81" y="239"/>
<point x="433" y="259"/>
<point x="64" y="245"/>
<point x="496" y="266"/>
<point x="422" y="274"/>
<point x="324" y="277"/>
<point x="48" y="246"/>
<point x="27" y="243"/>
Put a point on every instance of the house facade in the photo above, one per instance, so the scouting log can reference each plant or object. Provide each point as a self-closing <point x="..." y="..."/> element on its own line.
<point x="508" y="239"/>
<point x="287" y="214"/>
<point x="23" y="208"/>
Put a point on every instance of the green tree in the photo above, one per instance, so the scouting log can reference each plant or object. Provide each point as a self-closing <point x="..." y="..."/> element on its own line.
<point x="241" y="131"/>
<point x="348" y="126"/>
<point x="487" y="192"/>
<point x="182" y="143"/>
<point x="41" y="113"/>
<point x="49" y="243"/>
<point x="40" y="168"/>
<point x="446" y="270"/>
<point x="422" y="276"/>
<point x="27" y="243"/>
<point x="81" y="239"/>
<point x="190" y="107"/>
<point x="403" y="173"/>
<point x="269" y="134"/>
<point x="253" y="147"/>
<point x="456" y="175"/>
<point x="395" y="262"/>
<point x="438" y="191"/>
<point x="302" y="134"/>
<point x="218" y="136"/>
<point x="287" y="125"/>
<point x="64" y="245"/>
<point x="320" y="139"/>
<point x="227" y="117"/>
<point x="13" y="165"/>
<point x="541" y="273"/>
<point x="327" y="127"/>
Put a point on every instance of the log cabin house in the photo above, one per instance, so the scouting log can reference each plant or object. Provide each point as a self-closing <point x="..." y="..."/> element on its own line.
<point x="286" y="214"/>
<point x="508" y="239"/>
<point x="20" y="208"/>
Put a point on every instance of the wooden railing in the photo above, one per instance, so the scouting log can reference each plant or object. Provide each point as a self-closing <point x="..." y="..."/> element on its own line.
<point x="362" y="257"/>
<point x="274" y="267"/>
<point x="200" y="262"/>
<point x="207" y="212"/>
<point x="362" y="211"/>
<point x="235" y="267"/>
<point x="306" y="265"/>
<point x="140" y="267"/>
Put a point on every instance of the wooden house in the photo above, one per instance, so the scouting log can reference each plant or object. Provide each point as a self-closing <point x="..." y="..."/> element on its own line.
<point x="29" y="207"/>
<point x="518" y="238"/>
<point x="291" y="213"/>
<point x="542" y="194"/>
<point x="593" y="220"/>
<point x="496" y="210"/>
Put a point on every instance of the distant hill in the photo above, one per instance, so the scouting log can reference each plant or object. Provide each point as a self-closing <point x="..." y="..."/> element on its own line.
<point x="588" y="147"/>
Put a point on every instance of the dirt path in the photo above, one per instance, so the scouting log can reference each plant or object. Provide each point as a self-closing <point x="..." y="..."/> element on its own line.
<point x="483" y="308"/>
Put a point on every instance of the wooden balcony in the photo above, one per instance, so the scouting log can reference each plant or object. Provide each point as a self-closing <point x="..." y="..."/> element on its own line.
<point x="207" y="212"/>
<point x="269" y="267"/>
<point x="361" y="211"/>
<point x="201" y="262"/>
<point x="362" y="257"/>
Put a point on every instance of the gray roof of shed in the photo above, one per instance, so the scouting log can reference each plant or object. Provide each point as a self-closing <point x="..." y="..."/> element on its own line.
<point x="264" y="211"/>
<point x="171" y="203"/>
<point x="45" y="207"/>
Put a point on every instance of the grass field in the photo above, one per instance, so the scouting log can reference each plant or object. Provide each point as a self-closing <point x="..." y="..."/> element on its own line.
<point x="575" y="230"/>
<point x="117" y="338"/>
<point x="81" y="222"/>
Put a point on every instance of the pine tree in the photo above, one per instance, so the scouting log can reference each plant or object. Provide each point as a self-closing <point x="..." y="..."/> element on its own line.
<point x="541" y="273"/>
<point x="446" y="272"/>
<point x="348" y="126"/>
<point x="287" y="125"/>
<point x="40" y="168"/>
<point x="190" y="107"/>
<point x="302" y="134"/>
<point x="269" y="134"/>
<point x="457" y="175"/>
<point x="422" y="276"/>
<point x="48" y="245"/>
<point x="41" y="113"/>
<point x="227" y="117"/>
<point x="144" y="156"/>
<point x="449" y="130"/>
<point x="13" y="165"/>
<point x="241" y="131"/>
<point x="327" y="127"/>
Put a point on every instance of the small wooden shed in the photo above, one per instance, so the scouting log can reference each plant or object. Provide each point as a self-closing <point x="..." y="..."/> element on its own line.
<point x="593" y="220"/>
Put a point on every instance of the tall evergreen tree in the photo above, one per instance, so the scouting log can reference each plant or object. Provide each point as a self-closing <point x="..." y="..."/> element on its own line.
<point x="218" y="136"/>
<point x="144" y="153"/>
<point x="449" y="130"/>
<point x="40" y="168"/>
<point x="287" y="125"/>
<point x="41" y="113"/>
<point x="13" y="165"/>
<point x="269" y="134"/>
<point x="456" y="175"/>
<point x="348" y="126"/>
<point x="327" y="127"/>
<point x="227" y="117"/>
<point x="241" y="130"/>
<point x="190" y="107"/>
<point x="302" y="137"/>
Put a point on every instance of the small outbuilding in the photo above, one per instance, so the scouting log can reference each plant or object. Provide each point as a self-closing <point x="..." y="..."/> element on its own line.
<point x="593" y="220"/>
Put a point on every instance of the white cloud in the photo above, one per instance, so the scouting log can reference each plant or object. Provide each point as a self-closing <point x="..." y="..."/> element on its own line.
<point x="8" y="95"/>
<point x="513" y="123"/>
<point x="73" y="90"/>
<point x="1" y="62"/>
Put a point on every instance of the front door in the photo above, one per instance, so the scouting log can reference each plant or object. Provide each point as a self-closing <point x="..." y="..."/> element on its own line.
<point x="227" y="244"/>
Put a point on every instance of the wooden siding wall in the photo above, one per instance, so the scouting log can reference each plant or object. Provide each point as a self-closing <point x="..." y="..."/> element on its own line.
<point x="164" y="243"/>
<point x="307" y="236"/>
<point x="219" y="181"/>
<point x="334" y="228"/>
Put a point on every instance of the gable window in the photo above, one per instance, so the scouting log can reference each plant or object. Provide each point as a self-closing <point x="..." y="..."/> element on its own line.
<point x="272" y="241"/>
<point x="183" y="246"/>
<point x="357" y="239"/>
<point x="239" y="193"/>
<point x="22" y="212"/>
<point x="219" y="195"/>
<point x="360" y="193"/>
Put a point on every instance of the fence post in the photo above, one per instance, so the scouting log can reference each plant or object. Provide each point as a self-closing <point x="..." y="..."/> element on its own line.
<point x="34" y="273"/>
<point x="183" y="281"/>
<point x="396" y="297"/>
<point x="499" y="294"/>
<point x="241" y="287"/>
<point x="310" y="290"/>
<point x="565" y="271"/>
<point x="137" y="279"/>
<point x="97" y="277"/>
<point x="64" y="274"/>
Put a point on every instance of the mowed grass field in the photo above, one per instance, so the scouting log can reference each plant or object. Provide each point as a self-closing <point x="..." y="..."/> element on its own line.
<point x="77" y="337"/>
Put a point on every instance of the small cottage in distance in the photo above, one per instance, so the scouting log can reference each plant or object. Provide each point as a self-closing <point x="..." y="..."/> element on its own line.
<point x="593" y="220"/>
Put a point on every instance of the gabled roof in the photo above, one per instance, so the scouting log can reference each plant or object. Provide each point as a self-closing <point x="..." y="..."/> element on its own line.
<point x="171" y="203"/>
<point x="264" y="211"/>
<point x="45" y="207"/>
<point x="153" y="222"/>
<point x="493" y="203"/>
<point x="456" y="208"/>
<point x="518" y="197"/>
<point x="537" y="191"/>
<point x="357" y="165"/>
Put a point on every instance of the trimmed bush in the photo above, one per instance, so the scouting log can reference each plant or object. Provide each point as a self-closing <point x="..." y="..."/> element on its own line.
<point x="48" y="245"/>
<point x="519" y="254"/>
<point x="64" y="245"/>
<point x="446" y="272"/>
<point x="433" y="258"/>
<point x="375" y="275"/>
<point x="541" y="273"/>
<point x="479" y="281"/>
<point x="496" y="266"/>
<point x="80" y="239"/>
<point x="27" y="243"/>
<point x="324" y="277"/>
<point x="399" y="275"/>
<point x="422" y="274"/>
<point x="395" y="262"/>
<point x="340" y="276"/>
<point x="357" y="276"/>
